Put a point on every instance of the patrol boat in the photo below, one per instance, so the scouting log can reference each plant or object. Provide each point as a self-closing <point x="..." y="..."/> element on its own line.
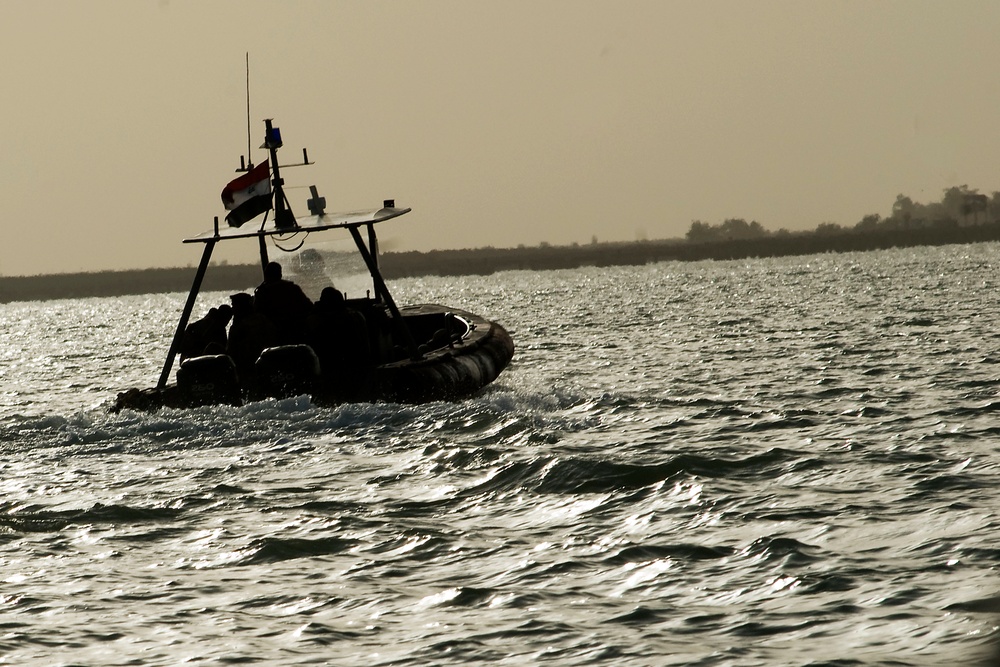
<point x="412" y="354"/>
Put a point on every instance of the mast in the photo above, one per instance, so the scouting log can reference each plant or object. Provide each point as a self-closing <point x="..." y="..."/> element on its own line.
<point x="283" y="216"/>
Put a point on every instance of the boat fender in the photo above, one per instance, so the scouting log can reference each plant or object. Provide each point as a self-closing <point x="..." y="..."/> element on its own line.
<point x="209" y="379"/>
<point x="288" y="370"/>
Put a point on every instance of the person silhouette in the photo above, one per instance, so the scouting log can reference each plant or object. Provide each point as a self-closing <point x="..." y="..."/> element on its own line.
<point x="284" y="304"/>
<point x="208" y="333"/>
<point x="250" y="334"/>
<point x="339" y="335"/>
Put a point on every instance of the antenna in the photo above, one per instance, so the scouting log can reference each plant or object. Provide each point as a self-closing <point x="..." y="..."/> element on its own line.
<point x="249" y="159"/>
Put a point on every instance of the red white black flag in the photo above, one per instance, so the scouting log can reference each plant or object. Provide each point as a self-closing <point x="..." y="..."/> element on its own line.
<point x="249" y="195"/>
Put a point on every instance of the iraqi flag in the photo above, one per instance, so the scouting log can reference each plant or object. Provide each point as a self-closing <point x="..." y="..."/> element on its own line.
<point x="249" y="195"/>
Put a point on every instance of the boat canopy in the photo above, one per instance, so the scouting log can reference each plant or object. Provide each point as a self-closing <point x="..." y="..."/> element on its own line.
<point x="308" y="223"/>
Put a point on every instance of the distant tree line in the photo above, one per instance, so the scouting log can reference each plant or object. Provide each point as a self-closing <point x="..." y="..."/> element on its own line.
<point x="236" y="277"/>
<point x="962" y="216"/>
<point x="960" y="206"/>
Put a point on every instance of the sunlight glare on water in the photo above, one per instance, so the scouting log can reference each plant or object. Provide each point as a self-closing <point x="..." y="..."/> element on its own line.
<point x="777" y="461"/>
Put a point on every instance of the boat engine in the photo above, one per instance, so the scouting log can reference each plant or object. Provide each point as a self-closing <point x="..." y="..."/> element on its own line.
<point x="288" y="370"/>
<point x="209" y="380"/>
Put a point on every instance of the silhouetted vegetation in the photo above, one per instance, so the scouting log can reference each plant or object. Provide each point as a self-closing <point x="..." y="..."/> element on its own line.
<point x="483" y="261"/>
<point x="959" y="207"/>
<point x="730" y="230"/>
<point x="118" y="283"/>
<point x="962" y="216"/>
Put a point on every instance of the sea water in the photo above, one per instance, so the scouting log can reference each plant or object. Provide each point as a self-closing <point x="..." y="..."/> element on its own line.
<point x="788" y="461"/>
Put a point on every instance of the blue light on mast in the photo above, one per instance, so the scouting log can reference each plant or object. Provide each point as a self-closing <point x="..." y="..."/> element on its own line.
<point x="272" y="138"/>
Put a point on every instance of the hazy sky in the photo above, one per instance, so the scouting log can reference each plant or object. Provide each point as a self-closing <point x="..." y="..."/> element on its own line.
<point x="499" y="123"/>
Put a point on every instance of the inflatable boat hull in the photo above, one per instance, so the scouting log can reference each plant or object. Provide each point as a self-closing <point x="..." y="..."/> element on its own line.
<point x="450" y="366"/>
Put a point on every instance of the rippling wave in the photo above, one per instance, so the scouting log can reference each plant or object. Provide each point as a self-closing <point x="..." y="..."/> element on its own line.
<point x="782" y="461"/>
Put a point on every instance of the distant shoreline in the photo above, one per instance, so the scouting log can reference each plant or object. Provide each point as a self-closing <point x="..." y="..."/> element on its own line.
<point x="485" y="261"/>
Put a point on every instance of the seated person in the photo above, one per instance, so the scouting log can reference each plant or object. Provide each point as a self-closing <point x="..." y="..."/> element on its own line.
<point x="206" y="335"/>
<point x="339" y="335"/>
<point x="250" y="334"/>
<point x="284" y="304"/>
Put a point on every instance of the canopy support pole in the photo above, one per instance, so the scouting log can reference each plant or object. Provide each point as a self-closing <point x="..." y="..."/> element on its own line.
<point x="186" y="314"/>
<point x="383" y="291"/>
<point x="262" y="241"/>
<point x="373" y="249"/>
